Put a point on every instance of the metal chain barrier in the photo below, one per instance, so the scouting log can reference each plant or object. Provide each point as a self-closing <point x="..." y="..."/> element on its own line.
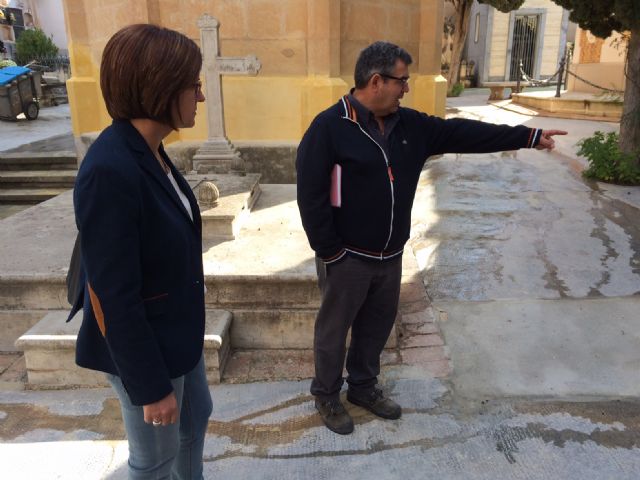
<point x="608" y="90"/>
<point x="563" y="71"/>
<point x="539" y="83"/>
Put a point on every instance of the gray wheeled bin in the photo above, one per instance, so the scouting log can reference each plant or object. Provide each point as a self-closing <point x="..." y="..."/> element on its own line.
<point x="19" y="92"/>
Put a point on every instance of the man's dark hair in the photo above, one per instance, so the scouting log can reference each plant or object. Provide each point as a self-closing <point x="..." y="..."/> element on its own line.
<point x="379" y="57"/>
<point x="2" y="49"/>
<point x="144" y="69"/>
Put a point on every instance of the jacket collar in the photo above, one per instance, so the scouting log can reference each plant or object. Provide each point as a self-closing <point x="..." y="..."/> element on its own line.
<point x="150" y="164"/>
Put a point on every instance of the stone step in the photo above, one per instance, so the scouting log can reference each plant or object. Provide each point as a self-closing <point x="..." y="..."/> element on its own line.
<point x="62" y="160"/>
<point x="37" y="179"/>
<point x="281" y="329"/>
<point x="229" y="292"/>
<point x="49" y="351"/>
<point x="28" y="196"/>
<point x="13" y="323"/>
<point x="247" y="366"/>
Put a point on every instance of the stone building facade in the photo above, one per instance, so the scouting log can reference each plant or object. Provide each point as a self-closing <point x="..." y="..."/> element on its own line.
<point x="307" y="49"/>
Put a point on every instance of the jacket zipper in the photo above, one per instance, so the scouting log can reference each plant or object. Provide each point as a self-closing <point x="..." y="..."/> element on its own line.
<point x="390" y="175"/>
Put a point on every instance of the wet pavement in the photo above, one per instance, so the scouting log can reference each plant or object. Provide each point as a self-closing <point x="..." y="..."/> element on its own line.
<point x="270" y="430"/>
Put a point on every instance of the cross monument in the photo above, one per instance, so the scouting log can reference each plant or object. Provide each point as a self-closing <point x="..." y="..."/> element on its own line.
<point x="217" y="154"/>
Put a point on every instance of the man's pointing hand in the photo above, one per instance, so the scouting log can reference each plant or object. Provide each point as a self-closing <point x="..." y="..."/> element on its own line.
<point x="546" y="139"/>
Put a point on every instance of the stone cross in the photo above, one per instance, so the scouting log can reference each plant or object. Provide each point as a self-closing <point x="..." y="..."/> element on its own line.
<point x="217" y="154"/>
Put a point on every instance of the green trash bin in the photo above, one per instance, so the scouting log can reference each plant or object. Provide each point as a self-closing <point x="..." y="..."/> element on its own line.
<point x="18" y="93"/>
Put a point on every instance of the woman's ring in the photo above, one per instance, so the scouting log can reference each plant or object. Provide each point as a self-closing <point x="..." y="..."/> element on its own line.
<point x="156" y="422"/>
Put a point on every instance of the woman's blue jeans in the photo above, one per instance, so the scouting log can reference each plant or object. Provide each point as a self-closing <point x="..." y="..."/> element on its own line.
<point x="175" y="451"/>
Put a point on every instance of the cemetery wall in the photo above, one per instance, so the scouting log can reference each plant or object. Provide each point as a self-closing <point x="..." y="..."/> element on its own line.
<point x="307" y="49"/>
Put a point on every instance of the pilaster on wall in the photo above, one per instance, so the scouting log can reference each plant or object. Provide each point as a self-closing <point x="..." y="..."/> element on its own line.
<point x="85" y="100"/>
<point x="323" y="86"/>
<point x="430" y="88"/>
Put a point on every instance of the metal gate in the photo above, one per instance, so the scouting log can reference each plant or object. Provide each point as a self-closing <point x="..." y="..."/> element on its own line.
<point x="525" y="35"/>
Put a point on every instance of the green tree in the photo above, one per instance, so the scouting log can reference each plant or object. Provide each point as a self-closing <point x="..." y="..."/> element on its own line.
<point x="34" y="44"/>
<point x="601" y="17"/>
<point x="461" y="28"/>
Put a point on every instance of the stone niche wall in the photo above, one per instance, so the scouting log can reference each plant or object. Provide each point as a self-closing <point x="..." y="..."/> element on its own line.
<point x="396" y="21"/>
<point x="274" y="30"/>
<point x="307" y="49"/>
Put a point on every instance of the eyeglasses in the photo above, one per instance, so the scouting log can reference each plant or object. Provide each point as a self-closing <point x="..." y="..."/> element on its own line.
<point x="198" y="87"/>
<point x="403" y="80"/>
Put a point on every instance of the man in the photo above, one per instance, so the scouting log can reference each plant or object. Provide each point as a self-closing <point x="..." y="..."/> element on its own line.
<point x="358" y="167"/>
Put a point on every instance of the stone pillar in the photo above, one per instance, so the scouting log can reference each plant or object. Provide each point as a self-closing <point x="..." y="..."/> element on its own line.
<point x="83" y="87"/>
<point x="323" y="86"/>
<point x="430" y="87"/>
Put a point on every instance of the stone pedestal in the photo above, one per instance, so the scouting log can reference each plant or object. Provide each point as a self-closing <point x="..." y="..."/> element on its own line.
<point x="218" y="155"/>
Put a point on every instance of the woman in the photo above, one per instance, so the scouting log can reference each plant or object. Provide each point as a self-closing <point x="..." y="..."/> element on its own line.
<point x="141" y="247"/>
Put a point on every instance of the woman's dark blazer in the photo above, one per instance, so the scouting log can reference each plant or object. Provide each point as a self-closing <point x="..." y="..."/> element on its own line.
<point x="143" y="295"/>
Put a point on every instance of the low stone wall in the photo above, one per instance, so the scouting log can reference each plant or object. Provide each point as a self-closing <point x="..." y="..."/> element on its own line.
<point x="274" y="161"/>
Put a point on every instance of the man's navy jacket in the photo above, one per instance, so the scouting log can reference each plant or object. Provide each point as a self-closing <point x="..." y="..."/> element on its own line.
<point x="142" y="261"/>
<point x="377" y="190"/>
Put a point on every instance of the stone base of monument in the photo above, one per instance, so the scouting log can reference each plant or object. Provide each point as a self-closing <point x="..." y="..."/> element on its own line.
<point x="49" y="351"/>
<point x="218" y="156"/>
<point x="238" y="195"/>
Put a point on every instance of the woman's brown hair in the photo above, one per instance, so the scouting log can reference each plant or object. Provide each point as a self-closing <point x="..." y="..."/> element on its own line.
<point x="144" y="68"/>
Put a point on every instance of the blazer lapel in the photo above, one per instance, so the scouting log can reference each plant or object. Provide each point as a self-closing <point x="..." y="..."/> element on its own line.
<point x="186" y="189"/>
<point x="151" y="165"/>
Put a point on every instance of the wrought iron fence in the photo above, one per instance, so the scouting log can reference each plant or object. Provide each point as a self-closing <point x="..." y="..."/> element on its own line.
<point x="50" y="63"/>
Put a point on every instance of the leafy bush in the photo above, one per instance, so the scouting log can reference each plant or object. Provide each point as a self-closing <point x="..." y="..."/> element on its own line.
<point x="606" y="161"/>
<point x="34" y="44"/>
<point x="7" y="63"/>
<point x="456" y="90"/>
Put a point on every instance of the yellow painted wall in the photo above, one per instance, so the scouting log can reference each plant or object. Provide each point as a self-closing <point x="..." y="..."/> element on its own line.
<point x="307" y="49"/>
<point x="396" y="21"/>
<point x="598" y="61"/>
<point x="551" y="40"/>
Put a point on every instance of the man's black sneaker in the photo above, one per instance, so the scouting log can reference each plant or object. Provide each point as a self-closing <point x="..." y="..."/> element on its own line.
<point x="334" y="416"/>
<point x="376" y="403"/>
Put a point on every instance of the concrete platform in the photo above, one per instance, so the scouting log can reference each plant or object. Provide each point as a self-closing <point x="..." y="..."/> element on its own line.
<point x="49" y="350"/>
<point x="572" y="104"/>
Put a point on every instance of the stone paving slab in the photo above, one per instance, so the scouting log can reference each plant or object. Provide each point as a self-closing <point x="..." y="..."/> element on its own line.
<point x="272" y="428"/>
<point x="51" y="122"/>
<point x="544" y="347"/>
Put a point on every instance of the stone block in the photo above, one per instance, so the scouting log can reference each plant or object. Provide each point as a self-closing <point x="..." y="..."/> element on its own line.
<point x="424" y="328"/>
<point x="49" y="350"/>
<point x="265" y="19"/>
<point x="238" y="195"/>
<point x="14" y="376"/>
<point x="217" y="344"/>
<point x="422" y="355"/>
<point x="14" y="323"/>
<point x="412" y="292"/>
<point x="430" y="340"/>
<point x="234" y="292"/>
<point x="419" y="317"/>
<point x="279" y="329"/>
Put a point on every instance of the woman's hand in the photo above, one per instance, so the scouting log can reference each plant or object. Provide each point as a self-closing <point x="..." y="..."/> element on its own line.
<point x="163" y="412"/>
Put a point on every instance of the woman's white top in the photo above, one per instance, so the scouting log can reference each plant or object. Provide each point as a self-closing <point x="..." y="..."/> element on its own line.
<point x="183" y="197"/>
